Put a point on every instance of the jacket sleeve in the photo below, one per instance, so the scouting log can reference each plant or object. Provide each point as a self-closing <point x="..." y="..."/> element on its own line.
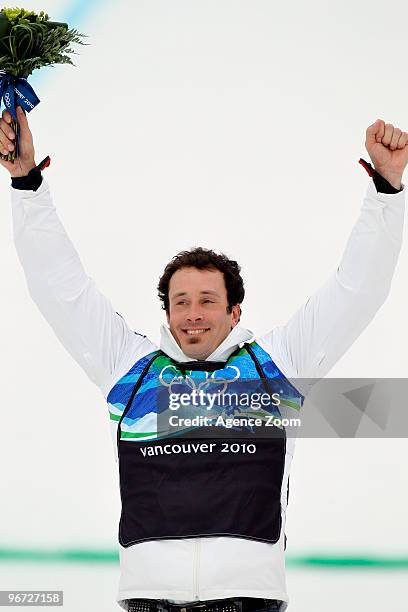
<point x="319" y="333"/>
<point x="83" y="319"/>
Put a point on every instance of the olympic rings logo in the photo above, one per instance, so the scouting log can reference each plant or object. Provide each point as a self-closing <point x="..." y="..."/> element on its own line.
<point x="170" y="371"/>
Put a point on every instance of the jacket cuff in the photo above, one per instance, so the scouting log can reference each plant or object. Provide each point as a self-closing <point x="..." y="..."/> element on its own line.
<point x="33" y="179"/>
<point x="381" y="184"/>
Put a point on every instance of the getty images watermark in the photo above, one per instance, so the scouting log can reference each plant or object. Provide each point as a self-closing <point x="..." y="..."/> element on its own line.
<point x="308" y="408"/>
<point x="222" y="403"/>
<point x="209" y="407"/>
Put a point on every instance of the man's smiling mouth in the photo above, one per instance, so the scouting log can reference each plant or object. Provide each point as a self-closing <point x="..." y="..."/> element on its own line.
<point x="196" y="332"/>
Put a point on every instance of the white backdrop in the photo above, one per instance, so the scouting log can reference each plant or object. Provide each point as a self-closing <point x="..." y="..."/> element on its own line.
<point x="235" y="125"/>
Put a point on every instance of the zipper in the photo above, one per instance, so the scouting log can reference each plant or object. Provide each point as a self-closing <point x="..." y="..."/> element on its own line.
<point x="196" y="567"/>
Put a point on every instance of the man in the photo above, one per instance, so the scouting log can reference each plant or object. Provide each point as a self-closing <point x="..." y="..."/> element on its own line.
<point x="202" y="525"/>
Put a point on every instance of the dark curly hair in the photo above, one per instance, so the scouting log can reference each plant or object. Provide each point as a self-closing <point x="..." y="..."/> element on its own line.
<point x="207" y="259"/>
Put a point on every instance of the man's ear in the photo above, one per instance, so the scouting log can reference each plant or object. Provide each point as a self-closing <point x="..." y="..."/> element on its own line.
<point x="236" y="315"/>
<point x="168" y="318"/>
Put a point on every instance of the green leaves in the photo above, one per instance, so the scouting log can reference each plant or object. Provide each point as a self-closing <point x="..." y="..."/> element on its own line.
<point x="15" y="15"/>
<point x="29" y="41"/>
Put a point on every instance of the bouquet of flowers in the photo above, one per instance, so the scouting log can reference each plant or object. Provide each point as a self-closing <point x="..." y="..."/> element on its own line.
<point x="28" y="41"/>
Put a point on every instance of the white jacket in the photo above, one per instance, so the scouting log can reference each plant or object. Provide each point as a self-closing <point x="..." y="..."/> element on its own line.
<point x="308" y="346"/>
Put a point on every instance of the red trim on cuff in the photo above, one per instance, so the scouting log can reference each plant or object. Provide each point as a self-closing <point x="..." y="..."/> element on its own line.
<point x="366" y="166"/>
<point x="44" y="164"/>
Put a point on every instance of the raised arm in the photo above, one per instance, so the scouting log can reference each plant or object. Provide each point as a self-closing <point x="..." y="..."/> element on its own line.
<point x="321" y="331"/>
<point x="82" y="317"/>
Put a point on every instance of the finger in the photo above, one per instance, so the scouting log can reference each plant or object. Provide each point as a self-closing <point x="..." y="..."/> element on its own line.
<point x="395" y="138"/>
<point x="5" y="144"/>
<point x="24" y="128"/>
<point x="380" y="131"/>
<point x="386" y="139"/>
<point x="5" y="150"/>
<point x="374" y="130"/>
<point x="403" y="140"/>
<point x="6" y="116"/>
<point x="4" y="126"/>
<point x="22" y="118"/>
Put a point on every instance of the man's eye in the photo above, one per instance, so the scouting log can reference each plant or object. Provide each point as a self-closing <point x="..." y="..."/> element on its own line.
<point x="210" y="301"/>
<point x="182" y="302"/>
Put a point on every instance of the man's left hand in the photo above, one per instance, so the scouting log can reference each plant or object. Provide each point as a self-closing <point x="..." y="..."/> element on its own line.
<point x="387" y="147"/>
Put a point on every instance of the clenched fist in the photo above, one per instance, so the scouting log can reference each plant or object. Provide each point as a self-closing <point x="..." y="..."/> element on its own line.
<point x="25" y="161"/>
<point x="387" y="147"/>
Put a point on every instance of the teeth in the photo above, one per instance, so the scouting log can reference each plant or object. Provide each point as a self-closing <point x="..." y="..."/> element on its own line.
<point x="195" y="331"/>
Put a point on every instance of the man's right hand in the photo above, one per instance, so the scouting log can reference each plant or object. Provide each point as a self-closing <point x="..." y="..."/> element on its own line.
<point x="25" y="161"/>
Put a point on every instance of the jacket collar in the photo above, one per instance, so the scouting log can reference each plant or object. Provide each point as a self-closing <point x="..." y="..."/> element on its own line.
<point x="237" y="336"/>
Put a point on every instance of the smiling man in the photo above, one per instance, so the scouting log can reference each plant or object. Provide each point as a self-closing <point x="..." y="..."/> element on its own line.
<point x="199" y="311"/>
<point x="203" y="523"/>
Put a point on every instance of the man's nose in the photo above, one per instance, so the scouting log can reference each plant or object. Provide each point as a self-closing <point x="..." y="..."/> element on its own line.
<point x="194" y="314"/>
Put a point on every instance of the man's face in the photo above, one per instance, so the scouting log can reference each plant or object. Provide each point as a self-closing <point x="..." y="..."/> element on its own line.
<point x="198" y="317"/>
